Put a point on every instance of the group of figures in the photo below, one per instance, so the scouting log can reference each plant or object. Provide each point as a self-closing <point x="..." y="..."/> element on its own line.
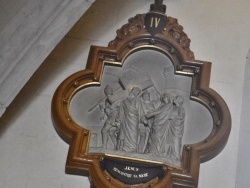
<point x="141" y="125"/>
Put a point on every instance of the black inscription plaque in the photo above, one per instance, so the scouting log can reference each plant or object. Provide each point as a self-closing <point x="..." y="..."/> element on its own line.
<point x="131" y="172"/>
<point x="155" y="22"/>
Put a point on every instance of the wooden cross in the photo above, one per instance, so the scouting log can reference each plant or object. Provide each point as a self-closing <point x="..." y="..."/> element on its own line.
<point x="127" y="85"/>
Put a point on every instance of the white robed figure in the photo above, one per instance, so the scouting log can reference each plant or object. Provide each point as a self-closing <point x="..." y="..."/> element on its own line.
<point x="176" y="129"/>
<point x="159" y="142"/>
<point x="130" y="115"/>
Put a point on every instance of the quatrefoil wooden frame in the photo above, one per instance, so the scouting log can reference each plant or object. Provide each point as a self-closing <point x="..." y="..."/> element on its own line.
<point x="134" y="36"/>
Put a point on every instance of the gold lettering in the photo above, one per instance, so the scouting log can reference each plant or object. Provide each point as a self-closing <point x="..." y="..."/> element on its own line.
<point x="152" y="21"/>
<point x="155" y="22"/>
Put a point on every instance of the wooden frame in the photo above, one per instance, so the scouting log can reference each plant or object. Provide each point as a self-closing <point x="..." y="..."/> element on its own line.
<point x="134" y="36"/>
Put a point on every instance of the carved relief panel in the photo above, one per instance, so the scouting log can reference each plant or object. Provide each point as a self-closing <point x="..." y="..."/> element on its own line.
<point x="142" y="114"/>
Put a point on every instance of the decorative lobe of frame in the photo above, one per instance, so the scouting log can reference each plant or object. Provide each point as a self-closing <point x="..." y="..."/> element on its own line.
<point x="172" y="42"/>
<point x="172" y="30"/>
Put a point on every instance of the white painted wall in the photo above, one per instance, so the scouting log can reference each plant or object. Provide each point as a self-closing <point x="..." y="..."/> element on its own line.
<point x="243" y="167"/>
<point x="33" y="155"/>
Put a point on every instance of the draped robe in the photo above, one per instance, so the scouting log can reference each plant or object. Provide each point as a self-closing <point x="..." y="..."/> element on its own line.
<point x="176" y="131"/>
<point x="130" y="113"/>
<point x="159" y="137"/>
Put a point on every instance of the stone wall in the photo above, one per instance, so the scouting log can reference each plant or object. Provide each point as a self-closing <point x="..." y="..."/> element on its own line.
<point x="29" y="30"/>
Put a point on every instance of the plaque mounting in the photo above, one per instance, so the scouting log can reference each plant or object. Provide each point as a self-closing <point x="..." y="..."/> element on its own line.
<point x="141" y="114"/>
